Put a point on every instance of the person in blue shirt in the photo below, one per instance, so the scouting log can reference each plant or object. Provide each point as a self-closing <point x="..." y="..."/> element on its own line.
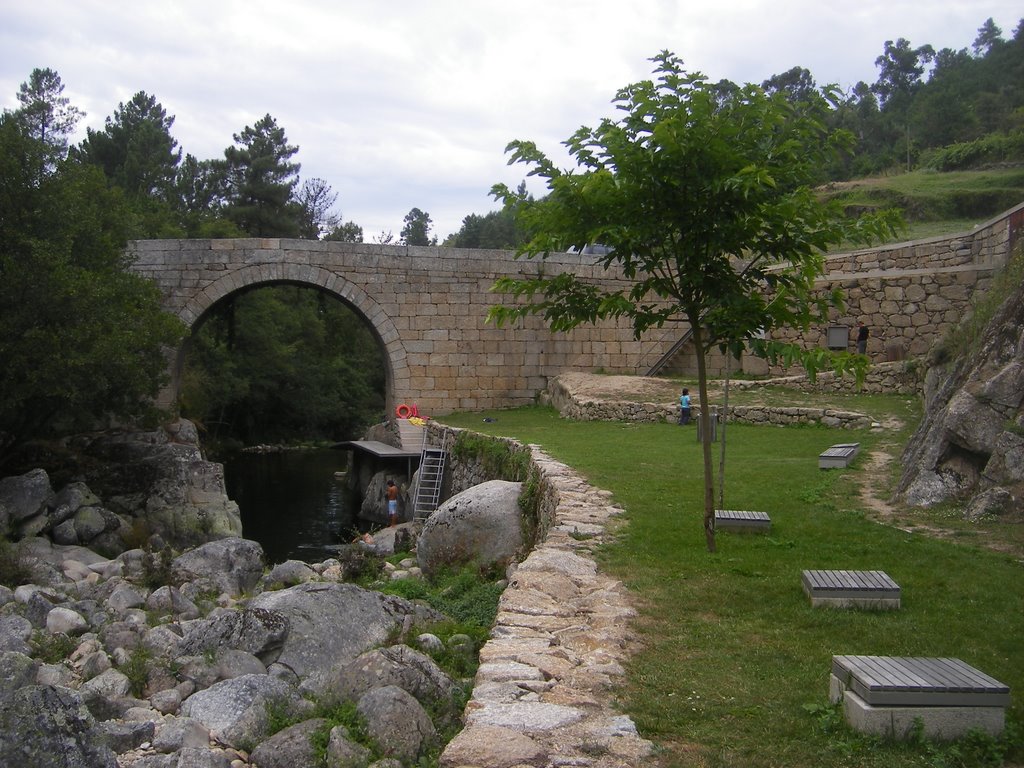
<point x="684" y="408"/>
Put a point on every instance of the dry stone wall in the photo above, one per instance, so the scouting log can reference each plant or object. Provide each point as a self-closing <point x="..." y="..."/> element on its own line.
<point x="560" y="642"/>
<point x="912" y="294"/>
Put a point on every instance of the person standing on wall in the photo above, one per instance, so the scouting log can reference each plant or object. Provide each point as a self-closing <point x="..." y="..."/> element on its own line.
<point x="684" y="408"/>
<point x="862" y="338"/>
<point x="391" y="493"/>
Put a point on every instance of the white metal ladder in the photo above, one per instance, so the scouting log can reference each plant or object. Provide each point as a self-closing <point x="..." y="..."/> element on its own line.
<point x="431" y="475"/>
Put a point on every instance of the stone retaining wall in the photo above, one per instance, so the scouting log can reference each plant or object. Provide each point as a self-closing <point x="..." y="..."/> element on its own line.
<point x="892" y="378"/>
<point x="543" y="691"/>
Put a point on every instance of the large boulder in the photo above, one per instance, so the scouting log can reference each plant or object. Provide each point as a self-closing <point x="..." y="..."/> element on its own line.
<point x="480" y="525"/>
<point x="398" y="665"/>
<point x="231" y="565"/>
<point x="48" y="727"/>
<point x="161" y="478"/>
<point x="23" y="496"/>
<point x="397" y="722"/>
<point x="331" y="624"/>
<point x="969" y="442"/>
<point x="254" y="630"/>
<point x="235" y="711"/>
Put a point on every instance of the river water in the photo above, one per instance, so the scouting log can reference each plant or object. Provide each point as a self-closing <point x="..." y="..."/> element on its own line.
<point x="291" y="502"/>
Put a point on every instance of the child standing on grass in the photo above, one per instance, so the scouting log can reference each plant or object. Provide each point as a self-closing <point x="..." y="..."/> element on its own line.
<point x="684" y="408"/>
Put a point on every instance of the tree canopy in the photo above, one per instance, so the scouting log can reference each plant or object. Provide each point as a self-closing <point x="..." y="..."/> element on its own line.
<point x="705" y="204"/>
<point x="81" y="337"/>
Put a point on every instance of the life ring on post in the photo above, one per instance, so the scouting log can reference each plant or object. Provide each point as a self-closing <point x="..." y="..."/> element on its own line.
<point x="404" y="411"/>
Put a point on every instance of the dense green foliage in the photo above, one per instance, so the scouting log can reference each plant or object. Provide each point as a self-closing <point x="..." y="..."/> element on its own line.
<point x="283" y="362"/>
<point x="732" y="663"/>
<point x="82" y="339"/>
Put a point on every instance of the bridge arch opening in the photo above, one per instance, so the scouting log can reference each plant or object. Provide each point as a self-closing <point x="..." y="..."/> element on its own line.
<point x="252" y="313"/>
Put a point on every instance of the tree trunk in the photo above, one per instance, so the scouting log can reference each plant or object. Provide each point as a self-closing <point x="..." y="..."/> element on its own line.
<point x="705" y="427"/>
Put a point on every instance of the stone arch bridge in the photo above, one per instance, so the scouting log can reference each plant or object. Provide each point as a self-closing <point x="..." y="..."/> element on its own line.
<point x="427" y="306"/>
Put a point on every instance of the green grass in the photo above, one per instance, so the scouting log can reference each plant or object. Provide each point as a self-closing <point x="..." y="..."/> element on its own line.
<point x="936" y="204"/>
<point x="734" y="664"/>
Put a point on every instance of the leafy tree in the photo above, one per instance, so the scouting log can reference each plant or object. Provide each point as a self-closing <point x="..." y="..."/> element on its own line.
<point x="900" y="69"/>
<point x="135" y="149"/>
<point x="47" y="115"/>
<point x="259" y="180"/>
<point x="495" y="229"/>
<point x="81" y="337"/>
<point x="137" y="153"/>
<point x="989" y="36"/>
<point x="316" y="202"/>
<point x="706" y="207"/>
<point x="199" y="199"/>
<point x="416" y="229"/>
<point x="797" y="84"/>
<point x="349" y="232"/>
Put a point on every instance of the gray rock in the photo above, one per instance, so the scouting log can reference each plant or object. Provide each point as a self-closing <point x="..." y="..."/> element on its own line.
<point x="176" y="733"/>
<point x="201" y="757"/>
<point x="994" y="501"/>
<point x="169" y="600"/>
<point x="397" y="665"/>
<point x="288" y="574"/>
<point x="164" y="640"/>
<point x="254" y="630"/>
<point x="47" y="727"/>
<point x="235" y="711"/>
<point x="481" y="525"/>
<point x="232" y="565"/>
<point x="125" y="596"/>
<point x="493" y="746"/>
<point x="104" y="694"/>
<point x="166" y="702"/>
<point x="16" y="670"/>
<point x="65" y="621"/>
<point x="234" y="663"/>
<point x="69" y="499"/>
<point x="342" y="752"/>
<point x="966" y="441"/>
<point x="23" y="496"/>
<point x="123" y="736"/>
<point x="397" y="722"/>
<point x="90" y="522"/>
<point x="65" y="533"/>
<point x="289" y="748"/>
<point x="15" y="632"/>
<point x="334" y="623"/>
<point x="57" y="674"/>
<point x="94" y="664"/>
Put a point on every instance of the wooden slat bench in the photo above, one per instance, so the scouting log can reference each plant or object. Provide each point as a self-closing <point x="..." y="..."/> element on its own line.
<point x="888" y="695"/>
<point x="838" y="456"/>
<point x="742" y="520"/>
<point x="851" y="589"/>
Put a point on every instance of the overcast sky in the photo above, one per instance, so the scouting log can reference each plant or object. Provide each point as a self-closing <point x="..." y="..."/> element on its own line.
<point x="404" y="103"/>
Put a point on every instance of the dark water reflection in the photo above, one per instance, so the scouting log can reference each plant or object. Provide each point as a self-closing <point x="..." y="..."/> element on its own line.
<point x="291" y="502"/>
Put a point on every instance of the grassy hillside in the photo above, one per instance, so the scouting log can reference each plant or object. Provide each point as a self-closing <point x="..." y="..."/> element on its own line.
<point x="933" y="203"/>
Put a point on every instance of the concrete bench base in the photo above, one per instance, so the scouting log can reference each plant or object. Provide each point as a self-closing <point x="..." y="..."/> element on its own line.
<point x="851" y="589"/>
<point x="889" y="695"/>
<point x="742" y="520"/>
<point x="838" y="456"/>
<point x="939" y="723"/>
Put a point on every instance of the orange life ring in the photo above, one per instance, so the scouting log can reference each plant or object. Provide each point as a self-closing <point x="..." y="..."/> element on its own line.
<point x="403" y="411"/>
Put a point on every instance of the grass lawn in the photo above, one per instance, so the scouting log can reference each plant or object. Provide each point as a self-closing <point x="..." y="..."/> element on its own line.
<point x="735" y="663"/>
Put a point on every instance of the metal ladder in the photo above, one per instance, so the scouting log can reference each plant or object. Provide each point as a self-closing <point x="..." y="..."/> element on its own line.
<point x="431" y="475"/>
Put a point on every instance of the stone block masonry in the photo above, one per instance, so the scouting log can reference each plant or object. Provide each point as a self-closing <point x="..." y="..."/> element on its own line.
<point x="427" y="306"/>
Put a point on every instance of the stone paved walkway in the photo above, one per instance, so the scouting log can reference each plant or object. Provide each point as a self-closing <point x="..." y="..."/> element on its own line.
<point x="543" y="692"/>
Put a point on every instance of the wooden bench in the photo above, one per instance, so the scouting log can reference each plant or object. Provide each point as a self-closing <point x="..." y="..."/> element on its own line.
<point x="742" y="520"/>
<point x="890" y="695"/>
<point x="851" y="589"/>
<point x="838" y="456"/>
